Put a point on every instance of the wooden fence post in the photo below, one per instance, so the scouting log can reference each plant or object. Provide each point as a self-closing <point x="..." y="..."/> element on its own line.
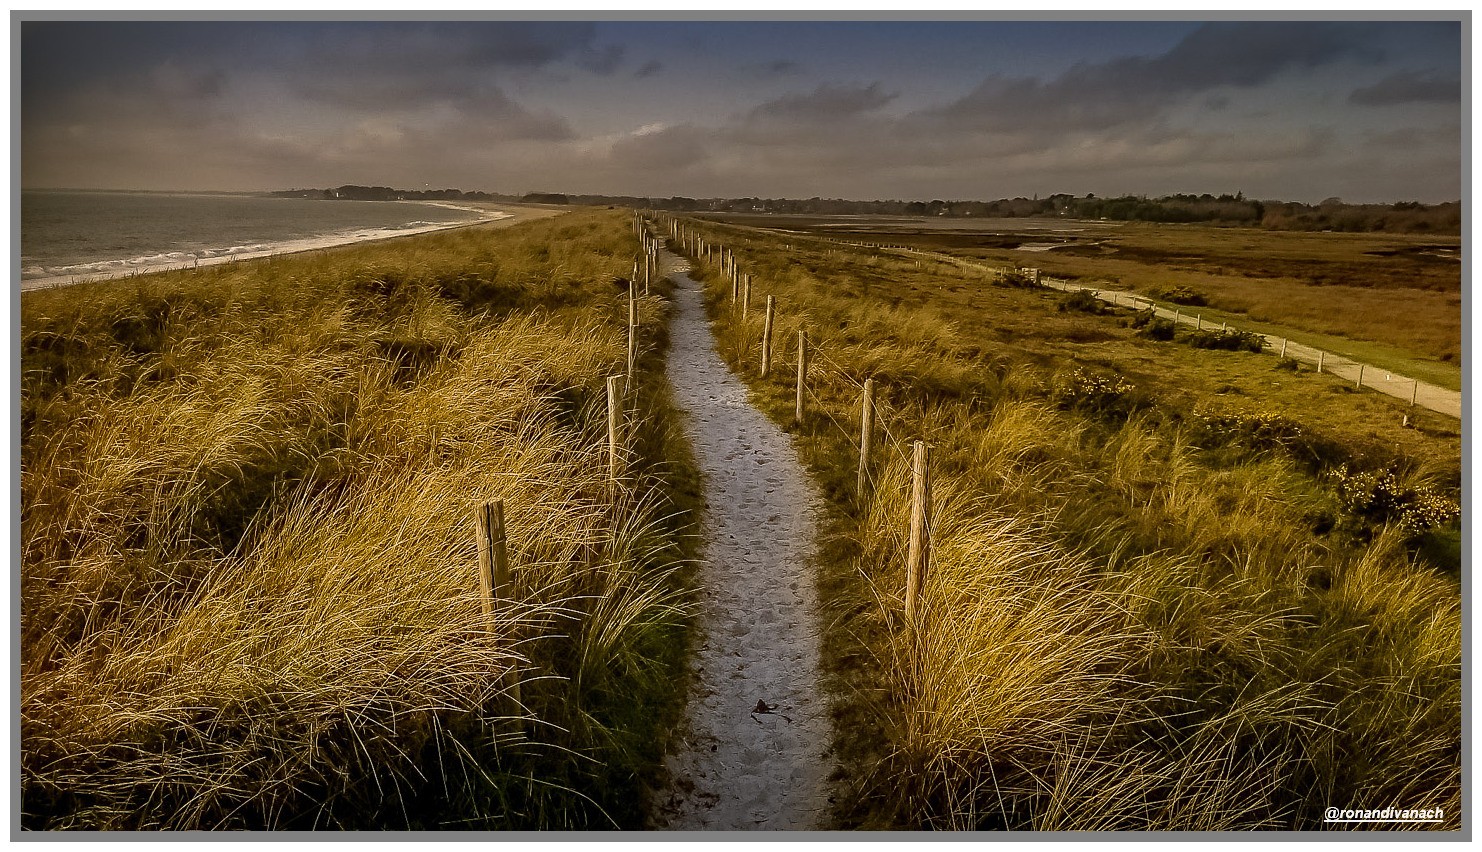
<point x="1319" y="360"/>
<point x="630" y="377"/>
<point x="866" y="436"/>
<point x="614" y="463"/>
<point x="767" y="336"/>
<point x="1359" y="383"/>
<point x="494" y="579"/>
<point x="802" y="373"/>
<point x="493" y="557"/>
<point x="1199" y="322"/>
<point x="1414" y="392"/>
<point x="918" y="552"/>
<point x="1283" y="347"/>
<point x="746" y="297"/>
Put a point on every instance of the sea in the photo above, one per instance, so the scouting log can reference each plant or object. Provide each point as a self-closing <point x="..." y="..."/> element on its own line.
<point x="73" y="236"/>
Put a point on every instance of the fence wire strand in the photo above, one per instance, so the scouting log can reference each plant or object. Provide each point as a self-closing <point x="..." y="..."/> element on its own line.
<point x="883" y="416"/>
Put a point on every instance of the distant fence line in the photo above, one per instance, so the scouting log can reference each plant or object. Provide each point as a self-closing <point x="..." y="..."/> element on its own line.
<point x="1405" y="388"/>
<point x="874" y="423"/>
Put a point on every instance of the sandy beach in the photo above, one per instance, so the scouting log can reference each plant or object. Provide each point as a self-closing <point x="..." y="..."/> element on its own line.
<point x="490" y="215"/>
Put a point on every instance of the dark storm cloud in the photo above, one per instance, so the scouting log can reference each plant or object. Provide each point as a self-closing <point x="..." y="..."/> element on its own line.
<point x="1406" y="87"/>
<point x="101" y="97"/>
<point x="776" y="68"/>
<point x="955" y="110"/>
<point x="379" y="64"/>
<point x="825" y="103"/>
<point x="678" y="147"/>
<point x="394" y="66"/>
<point x="1134" y="89"/>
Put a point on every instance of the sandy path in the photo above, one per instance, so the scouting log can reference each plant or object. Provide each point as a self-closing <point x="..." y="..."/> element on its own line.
<point x="492" y="217"/>
<point x="758" y="634"/>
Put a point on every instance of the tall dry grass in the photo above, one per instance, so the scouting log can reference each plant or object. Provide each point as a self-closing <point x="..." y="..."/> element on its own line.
<point x="249" y="588"/>
<point x="1132" y="619"/>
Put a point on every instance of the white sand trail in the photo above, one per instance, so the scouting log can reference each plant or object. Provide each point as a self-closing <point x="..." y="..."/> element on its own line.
<point x="758" y="643"/>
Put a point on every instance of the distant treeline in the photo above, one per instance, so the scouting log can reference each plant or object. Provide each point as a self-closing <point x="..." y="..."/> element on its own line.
<point x="350" y="192"/>
<point x="1332" y="214"/>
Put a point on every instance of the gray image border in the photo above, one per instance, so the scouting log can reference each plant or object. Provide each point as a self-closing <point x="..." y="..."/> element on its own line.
<point x="1463" y="17"/>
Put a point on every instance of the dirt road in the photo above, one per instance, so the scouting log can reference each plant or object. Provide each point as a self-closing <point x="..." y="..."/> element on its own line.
<point x="755" y="752"/>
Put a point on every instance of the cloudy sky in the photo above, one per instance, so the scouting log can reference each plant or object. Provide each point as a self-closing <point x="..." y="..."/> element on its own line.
<point x="1368" y="111"/>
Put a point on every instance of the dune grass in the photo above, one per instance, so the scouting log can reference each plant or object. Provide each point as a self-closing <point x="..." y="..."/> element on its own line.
<point x="249" y="596"/>
<point x="1152" y="602"/>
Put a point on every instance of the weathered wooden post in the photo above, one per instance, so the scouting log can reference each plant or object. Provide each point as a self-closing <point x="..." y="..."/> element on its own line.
<point x="1283" y="347"/>
<point x="629" y="379"/>
<point x="1414" y="392"/>
<point x="1199" y="322"/>
<point x="494" y="579"/>
<point x="493" y="557"/>
<point x="866" y="437"/>
<point x="1359" y="382"/>
<point x="614" y="463"/>
<point x="1319" y="360"/>
<point x="802" y="374"/>
<point x="746" y="297"/>
<point x="767" y="336"/>
<point x="918" y="553"/>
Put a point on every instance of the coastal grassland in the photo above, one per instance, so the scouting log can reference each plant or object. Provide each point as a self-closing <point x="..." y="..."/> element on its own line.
<point x="1393" y="300"/>
<point x="249" y="589"/>
<point x="1169" y="588"/>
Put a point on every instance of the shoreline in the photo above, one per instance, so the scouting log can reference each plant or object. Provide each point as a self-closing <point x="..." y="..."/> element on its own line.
<point x="503" y="215"/>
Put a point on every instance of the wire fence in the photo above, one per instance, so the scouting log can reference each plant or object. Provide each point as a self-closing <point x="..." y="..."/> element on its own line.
<point x="709" y="254"/>
<point x="713" y="256"/>
<point x="1363" y="375"/>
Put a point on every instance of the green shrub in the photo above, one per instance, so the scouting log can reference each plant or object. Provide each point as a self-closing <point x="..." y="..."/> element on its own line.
<point x="1015" y="279"/>
<point x="1229" y="339"/>
<point x="1154" y="327"/>
<point x="1259" y="431"/>
<point x="1382" y="497"/>
<point x="1095" y="394"/>
<point x="1082" y="301"/>
<point x="1182" y="296"/>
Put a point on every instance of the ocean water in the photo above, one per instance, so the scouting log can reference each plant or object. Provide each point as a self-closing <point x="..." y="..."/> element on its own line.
<point x="99" y="234"/>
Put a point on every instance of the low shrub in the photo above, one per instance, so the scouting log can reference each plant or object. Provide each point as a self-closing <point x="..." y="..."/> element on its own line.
<point x="1154" y="327"/>
<point x="1229" y="339"/>
<point x="1381" y="496"/>
<point x="1263" y="430"/>
<point x="1082" y="301"/>
<point x="1015" y="279"/>
<point x="1182" y="296"/>
<point x="1095" y="394"/>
